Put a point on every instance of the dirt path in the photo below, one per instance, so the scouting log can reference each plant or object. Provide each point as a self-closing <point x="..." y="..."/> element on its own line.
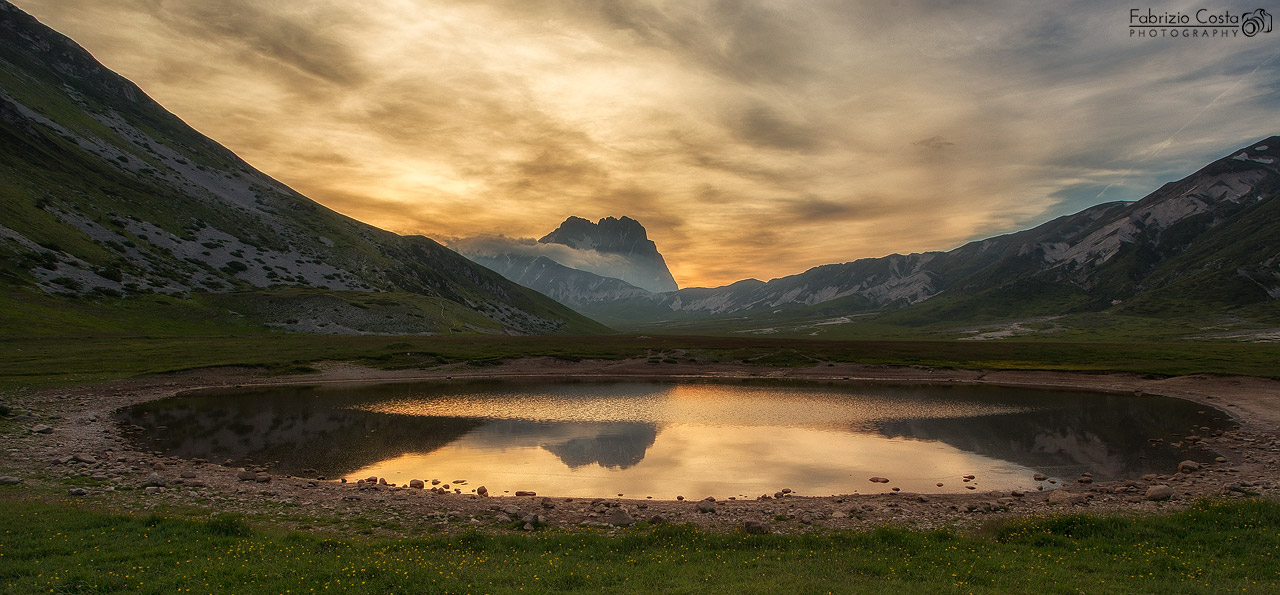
<point x="66" y="439"/>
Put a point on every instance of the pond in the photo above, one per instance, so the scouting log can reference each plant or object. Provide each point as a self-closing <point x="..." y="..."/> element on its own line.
<point x="689" y="438"/>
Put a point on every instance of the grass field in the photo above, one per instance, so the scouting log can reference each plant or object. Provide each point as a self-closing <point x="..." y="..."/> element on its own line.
<point x="47" y="361"/>
<point x="69" y="547"/>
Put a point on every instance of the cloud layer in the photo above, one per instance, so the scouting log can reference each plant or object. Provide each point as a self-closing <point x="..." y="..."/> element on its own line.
<point x="752" y="138"/>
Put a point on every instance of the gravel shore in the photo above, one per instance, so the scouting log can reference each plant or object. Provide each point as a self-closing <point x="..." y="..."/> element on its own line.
<point x="66" y="442"/>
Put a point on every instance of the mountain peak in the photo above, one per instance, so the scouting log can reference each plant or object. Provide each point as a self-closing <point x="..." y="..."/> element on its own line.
<point x="610" y="235"/>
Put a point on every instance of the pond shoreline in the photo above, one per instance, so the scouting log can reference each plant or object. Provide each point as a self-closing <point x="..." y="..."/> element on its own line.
<point x="84" y="448"/>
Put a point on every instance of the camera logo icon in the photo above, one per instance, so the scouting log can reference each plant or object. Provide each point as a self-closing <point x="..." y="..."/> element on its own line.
<point x="1253" y="23"/>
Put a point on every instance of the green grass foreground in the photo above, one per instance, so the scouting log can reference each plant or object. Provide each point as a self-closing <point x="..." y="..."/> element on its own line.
<point x="1215" y="546"/>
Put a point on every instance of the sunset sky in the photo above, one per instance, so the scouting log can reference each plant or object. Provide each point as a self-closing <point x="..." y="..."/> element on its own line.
<point x="752" y="138"/>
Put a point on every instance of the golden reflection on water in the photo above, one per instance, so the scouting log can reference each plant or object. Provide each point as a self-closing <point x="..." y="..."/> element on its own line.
<point x="704" y="404"/>
<point x="693" y="440"/>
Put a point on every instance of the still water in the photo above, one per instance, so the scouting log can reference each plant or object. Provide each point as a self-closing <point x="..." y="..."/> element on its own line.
<point x="690" y="438"/>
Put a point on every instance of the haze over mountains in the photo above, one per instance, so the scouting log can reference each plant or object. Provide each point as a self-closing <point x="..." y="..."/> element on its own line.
<point x="1207" y="243"/>
<point x="106" y="195"/>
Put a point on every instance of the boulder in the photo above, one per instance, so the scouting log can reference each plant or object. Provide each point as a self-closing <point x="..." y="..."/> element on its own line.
<point x="1065" y="498"/>
<point x="879" y="480"/>
<point x="6" y="480"/>
<point x="619" y="517"/>
<point x="706" y="506"/>
<point x="154" y="480"/>
<point x="757" y="527"/>
<point x="77" y="492"/>
<point x="417" y="484"/>
<point x="482" y="491"/>
<point x="1159" y="492"/>
<point x="42" y="429"/>
<point x="526" y="493"/>
<point x="1188" y="466"/>
<point x="247" y="475"/>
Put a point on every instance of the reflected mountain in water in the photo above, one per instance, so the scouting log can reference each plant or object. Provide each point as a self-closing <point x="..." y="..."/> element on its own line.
<point x="296" y="429"/>
<point x="1102" y="434"/>
<point x="589" y="438"/>
<point x="618" y="447"/>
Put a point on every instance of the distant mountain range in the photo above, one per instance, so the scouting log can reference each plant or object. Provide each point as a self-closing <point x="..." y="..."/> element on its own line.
<point x="108" y="199"/>
<point x="1205" y="244"/>
<point x="105" y="195"/>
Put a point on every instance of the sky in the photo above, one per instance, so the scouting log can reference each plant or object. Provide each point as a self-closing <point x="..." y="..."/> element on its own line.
<point x="752" y="138"/>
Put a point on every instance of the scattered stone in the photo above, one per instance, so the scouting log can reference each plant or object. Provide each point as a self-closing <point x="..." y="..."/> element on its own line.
<point x="658" y="519"/>
<point x="533" y="519"/>
<point x="757" y="528"/>
<point x="525" y="493"/>
<point x="262" y="478"/>
<point x="786" y="490"/>
<point x="1188" y="466"/>
<point x="1150" y="477"/>
<point x="706" y="506"/>
<point x="84" y="458"/>
<point x="619" y="517"/>
<point x="879" y="480"/>
<point x="42" y="429"/>
<point x="6" y="480"/>
<point x="1159" y="492"/>
<point x="939" y="484"/>
<point x="1064" y="497"/>
<point x="1220" y="460"/>
<point x="1039" y="477"/>
<point x="247" y="475"/>
<point x="435" y="482"/>
<point x="188" y="475"/>
<point x="77" y="491"/>
<point x="417" y="484"/>
<point x="1085" y="479"/>
<point x="482" y="491"/>
<point x="151" y="490"/>
<point x="680" y="498"/>
<point x="154" y="480"/>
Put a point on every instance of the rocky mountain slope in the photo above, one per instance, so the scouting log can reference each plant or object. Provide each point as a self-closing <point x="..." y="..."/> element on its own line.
<point x="106" y="195"/>
<point x="641" y="266"/>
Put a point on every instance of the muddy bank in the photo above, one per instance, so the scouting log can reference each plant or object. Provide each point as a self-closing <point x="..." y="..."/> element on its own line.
<point x="65" y="441"/>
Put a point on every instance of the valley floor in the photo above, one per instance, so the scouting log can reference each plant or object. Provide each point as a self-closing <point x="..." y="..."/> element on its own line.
<point x="83" y="449"/>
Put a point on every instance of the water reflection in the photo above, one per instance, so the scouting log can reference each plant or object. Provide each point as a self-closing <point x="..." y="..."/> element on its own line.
<point x="690" y="438"/>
